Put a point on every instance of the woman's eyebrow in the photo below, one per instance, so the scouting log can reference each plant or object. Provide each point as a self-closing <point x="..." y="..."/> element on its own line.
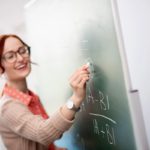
<point x="16" y="50"/>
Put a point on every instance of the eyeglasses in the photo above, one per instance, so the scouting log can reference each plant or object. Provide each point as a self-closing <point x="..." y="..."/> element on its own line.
<point x="11" y="56"/>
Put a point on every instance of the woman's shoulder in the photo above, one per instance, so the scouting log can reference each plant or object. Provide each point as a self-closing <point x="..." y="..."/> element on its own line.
<point x="9" y="105"/>
<point x="4" y="99"/>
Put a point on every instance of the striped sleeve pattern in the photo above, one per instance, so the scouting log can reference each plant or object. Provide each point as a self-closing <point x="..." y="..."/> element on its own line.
<point x="19" y="119"/>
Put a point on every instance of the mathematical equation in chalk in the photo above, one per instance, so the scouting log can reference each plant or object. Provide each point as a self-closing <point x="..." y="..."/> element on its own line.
<point x="102" y="100"/>
<point x="103" y="126"/>
<point x="105" y="131"/>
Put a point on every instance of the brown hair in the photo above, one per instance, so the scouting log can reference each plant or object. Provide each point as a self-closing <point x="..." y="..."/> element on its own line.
<point x="3" y="38"/>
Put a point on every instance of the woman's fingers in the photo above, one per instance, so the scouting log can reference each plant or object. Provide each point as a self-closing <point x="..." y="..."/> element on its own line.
<point x="77" y="73"/>
<point x="83" y="81"/>
<point x="78" y="83"/>
<point x="83" y="68"/>
<point x="78" y="78"/>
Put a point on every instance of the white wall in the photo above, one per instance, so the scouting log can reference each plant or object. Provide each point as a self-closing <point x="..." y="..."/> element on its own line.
<point x="135" y="23"/>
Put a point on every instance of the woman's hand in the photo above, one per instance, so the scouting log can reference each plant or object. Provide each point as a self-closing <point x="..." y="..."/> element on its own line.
<point x="78" y="84"/>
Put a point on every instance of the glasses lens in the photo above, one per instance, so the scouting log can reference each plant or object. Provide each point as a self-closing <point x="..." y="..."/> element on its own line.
<point x="10" y="57"/>
<point x="24" y="51"/>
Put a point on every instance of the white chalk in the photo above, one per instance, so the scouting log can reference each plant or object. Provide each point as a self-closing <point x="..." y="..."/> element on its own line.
<point x="88" y="64"/>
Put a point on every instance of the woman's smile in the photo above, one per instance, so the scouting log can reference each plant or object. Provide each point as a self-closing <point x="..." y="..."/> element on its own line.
<point x="22" y="66"/>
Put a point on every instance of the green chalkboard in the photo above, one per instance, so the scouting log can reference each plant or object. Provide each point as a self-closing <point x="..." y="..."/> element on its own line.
<point x="104" y="122"/>
<point x="73" y="33"/>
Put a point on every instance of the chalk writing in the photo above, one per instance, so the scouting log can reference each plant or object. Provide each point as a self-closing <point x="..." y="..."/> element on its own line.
<point x="102" y="100"/>
<point x="104" y="104"/>
<point x="96" y="128"/>
<point x="103" y="116"/>
<point x="105" y="131"/>
<point x="90" y="97"/>
<point x="110" y="134"/>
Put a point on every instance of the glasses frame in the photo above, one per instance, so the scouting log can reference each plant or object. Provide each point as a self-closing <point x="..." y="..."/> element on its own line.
<point x="28" y="48"/>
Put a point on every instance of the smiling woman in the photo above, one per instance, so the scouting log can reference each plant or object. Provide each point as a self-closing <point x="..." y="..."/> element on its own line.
<point x="23" y="120"/>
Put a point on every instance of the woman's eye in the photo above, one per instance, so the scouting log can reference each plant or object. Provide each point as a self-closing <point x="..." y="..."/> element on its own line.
<point x="22" y="51"/>
<point x="9" y="56"/>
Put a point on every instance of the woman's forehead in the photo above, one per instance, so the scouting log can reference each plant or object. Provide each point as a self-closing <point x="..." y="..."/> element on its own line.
<point x="12" y="43"/>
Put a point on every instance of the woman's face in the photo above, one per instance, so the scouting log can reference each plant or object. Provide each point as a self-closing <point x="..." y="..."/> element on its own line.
<point x="18" y="67"/>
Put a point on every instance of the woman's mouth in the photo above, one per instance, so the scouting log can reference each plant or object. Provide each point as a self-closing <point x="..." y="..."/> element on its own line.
<point x="21" y="67"/>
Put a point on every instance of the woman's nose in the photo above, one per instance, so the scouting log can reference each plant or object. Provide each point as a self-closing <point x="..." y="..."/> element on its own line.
<point x="19" y="57"/>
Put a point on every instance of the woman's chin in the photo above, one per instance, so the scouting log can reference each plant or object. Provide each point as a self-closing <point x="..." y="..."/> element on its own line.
<point x="20" y="75"/>
<point x="24" y="71"/>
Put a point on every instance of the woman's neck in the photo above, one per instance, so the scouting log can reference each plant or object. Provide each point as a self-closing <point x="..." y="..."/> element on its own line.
<point x="19" y="85"/>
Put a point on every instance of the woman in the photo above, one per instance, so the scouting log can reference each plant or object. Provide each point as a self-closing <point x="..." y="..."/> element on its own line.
<point x="24" y="124"/>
